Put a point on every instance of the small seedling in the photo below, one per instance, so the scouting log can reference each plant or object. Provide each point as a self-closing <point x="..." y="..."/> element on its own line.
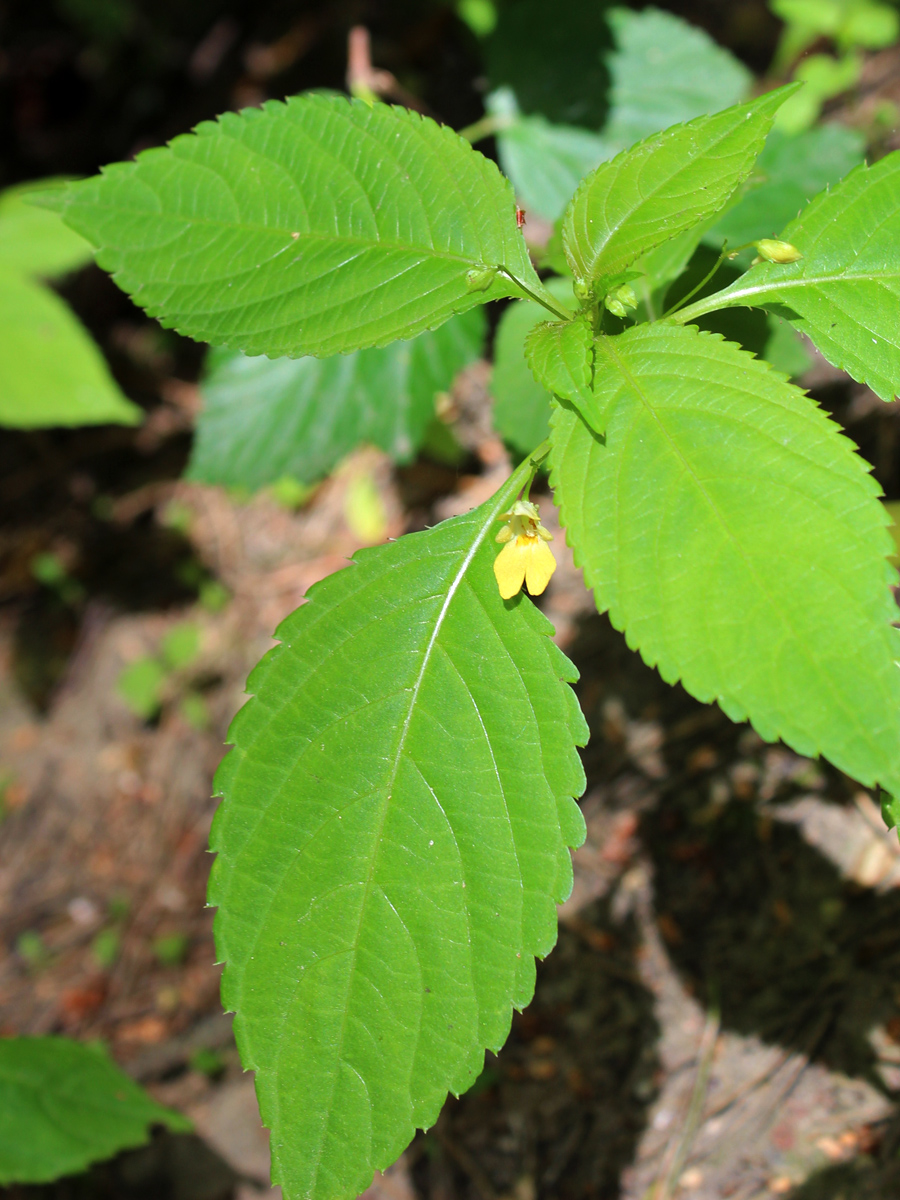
<point x="171" y="949"/>
<point x="105" y="948"/>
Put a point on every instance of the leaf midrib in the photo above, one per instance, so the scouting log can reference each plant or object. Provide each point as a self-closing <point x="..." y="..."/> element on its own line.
<point x="512" y="485"/>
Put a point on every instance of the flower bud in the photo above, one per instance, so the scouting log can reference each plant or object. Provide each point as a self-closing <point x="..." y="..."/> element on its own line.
<point x="479" y="279"/>
<point x="620" y="300"/>
<point x="775" y="251"/>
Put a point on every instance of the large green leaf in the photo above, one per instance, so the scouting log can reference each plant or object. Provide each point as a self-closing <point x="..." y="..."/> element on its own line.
<point x="35" y="241"/>
<point x="544" y="162"/>
<point x="66" y="1105"/>
<point x="665" y="71"/>
<point x="521" y="404"/>
<point x="737" y="539"/>
<point x="664" y="186"/>
<point x="51" y="372"/>
<point x="788" y="173"/>
<point x="316" y="226"/>
<point x="266" y="418"/>
<point x="845" y="290"/>
<point x="397" y="808"/>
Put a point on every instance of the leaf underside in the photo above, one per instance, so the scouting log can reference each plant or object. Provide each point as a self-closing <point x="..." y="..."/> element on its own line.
<point x="737" y="539"/>
<point x="663" y="186"/>
<point x="315" y="226"/>
<point x="266" y="418"/>
<point x="397" y="808"/>
<point x="66" y="1105"/>
<point x="845" y="291"/>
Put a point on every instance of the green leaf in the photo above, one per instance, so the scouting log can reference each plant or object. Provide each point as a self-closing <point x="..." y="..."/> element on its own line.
<point x="521" y="404"/>
<point x="552" y="56"/>
<point x="35" y="241"/>
<point x="561" y="357"/>
<point x="397" y="808"/>
<point x="51" y="372"/>
<point x="266" y="418"/>
<point x="66" y="1105"/>
<point x="316" y="226"/>
<point x="844" y="292"/>
<point x="545" y="162"/>
<point x="789" y="172"/>
<point x="664" y="186"/>
<point x="665" y="71"/>
<point x="737" y="539"/>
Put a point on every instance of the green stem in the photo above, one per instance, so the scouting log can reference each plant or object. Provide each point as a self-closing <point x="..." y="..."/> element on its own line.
<point x="703" y="282"/>
<point x="485" y="127"/>
<point x="535" y="458"/>
<point x="557" y="312"/>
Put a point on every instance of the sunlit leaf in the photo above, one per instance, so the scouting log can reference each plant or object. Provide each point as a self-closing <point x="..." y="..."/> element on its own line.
<point x="393" y="836"/>
<point x="737" y="539"/>
<point x="315" y="226"/>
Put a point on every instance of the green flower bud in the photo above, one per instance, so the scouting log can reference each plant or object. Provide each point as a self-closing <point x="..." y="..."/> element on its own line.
<point x="582" y="289"/>
<point x="479" y="279"/>
<point x="774" y="251"/>
<point x="620" y="300"/>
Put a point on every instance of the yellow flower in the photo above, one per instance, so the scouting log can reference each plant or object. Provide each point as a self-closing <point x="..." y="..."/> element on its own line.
<point x="525" y="557"/>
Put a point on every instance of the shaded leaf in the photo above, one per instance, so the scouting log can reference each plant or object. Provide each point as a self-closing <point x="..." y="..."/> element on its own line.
<point x="315" y="226"/>
<point x="397" y="808"/>
<point x="737" y="539"/>
<point x="788" y="173"/>
<point x="552" y="56"/>
<point x="51" y="372"/>
<point x="544" y="162"/>
<point x="521" y="404"/>
<point x="35" y="241"/>
<point x="265" y="418"/>
<point x="664" y="186"/>
<point x="561" y="357"/>
<point x="66" y="1105"/>
<point x="845" y="290"/>
<point x="665" y="71"/>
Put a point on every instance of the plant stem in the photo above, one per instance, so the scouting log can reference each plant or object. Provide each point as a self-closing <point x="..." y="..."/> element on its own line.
<point x="485" y="127"/>
<point x="703" y="282"/>
<point x="560" y="313"/>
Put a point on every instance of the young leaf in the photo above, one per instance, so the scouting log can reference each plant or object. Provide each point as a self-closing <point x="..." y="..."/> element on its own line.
<point x="521" y="404"/>
<point x="265" y="418"/>
<point x="397" y="808"/>
<point x="315" y="226"/>
<point x="844" y="292"/>
<point x="663" y="186"/>
<point x="561" y="358"/>
<point x="737" y="539"/>
<point x="51" y="372"/>
<point x="34" y="241"/>
<point x="788" y="173"/>
<point x="665" y="71"/>
<point x="66" y="1105"/>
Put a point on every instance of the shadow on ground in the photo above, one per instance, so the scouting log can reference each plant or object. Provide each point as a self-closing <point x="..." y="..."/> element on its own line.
<point x="559" y="1111"/>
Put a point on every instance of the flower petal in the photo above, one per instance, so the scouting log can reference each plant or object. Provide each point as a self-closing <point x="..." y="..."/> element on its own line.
<point x="509" y="568"/>
<point x="539" y="565"/>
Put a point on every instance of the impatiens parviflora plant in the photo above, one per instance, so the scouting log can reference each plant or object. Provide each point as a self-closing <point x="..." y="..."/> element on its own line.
<point x="398" y="803"/>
